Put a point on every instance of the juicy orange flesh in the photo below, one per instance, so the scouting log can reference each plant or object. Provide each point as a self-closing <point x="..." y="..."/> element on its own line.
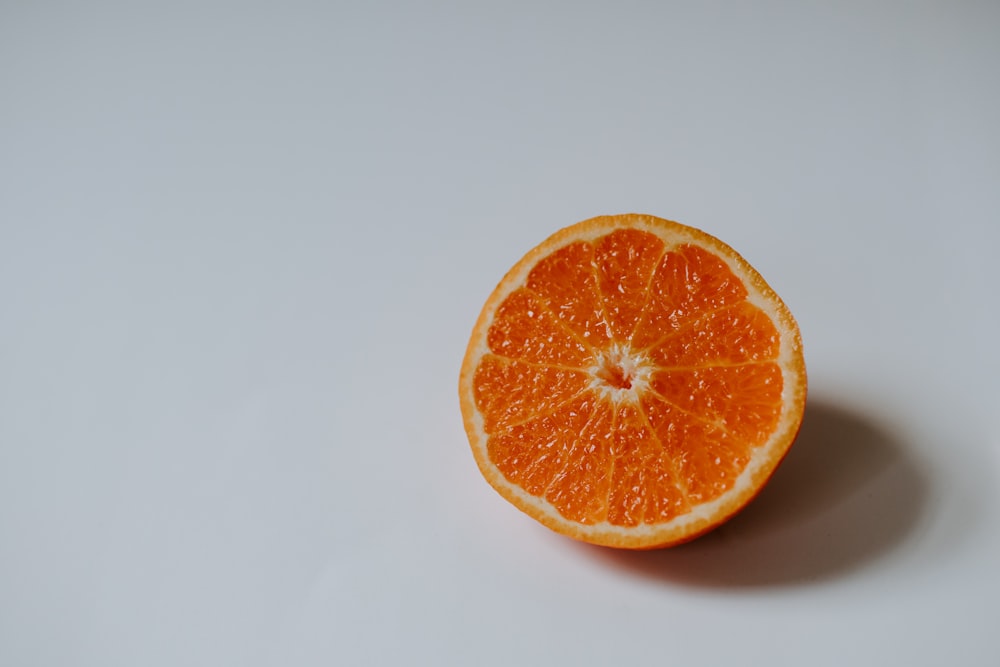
<point x="627" y="382"/>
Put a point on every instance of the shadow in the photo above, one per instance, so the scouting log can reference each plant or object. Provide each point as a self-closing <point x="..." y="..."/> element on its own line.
<point x="847" y="492"/>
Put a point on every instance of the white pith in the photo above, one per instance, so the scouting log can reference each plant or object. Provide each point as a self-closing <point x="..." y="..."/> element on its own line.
<point x="633" y="365"/>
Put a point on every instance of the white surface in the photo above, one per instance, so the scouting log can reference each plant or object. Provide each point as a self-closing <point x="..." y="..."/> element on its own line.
<point x="242" y="247"/>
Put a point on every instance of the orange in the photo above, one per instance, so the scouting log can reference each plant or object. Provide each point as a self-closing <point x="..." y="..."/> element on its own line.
<point x="632" y="382"/>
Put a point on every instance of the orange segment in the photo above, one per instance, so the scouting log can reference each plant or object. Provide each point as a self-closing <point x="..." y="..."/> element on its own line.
<point x="510" y="391"/>
<point x="744" y="400"/>
<point x="625" y="260"/>
<point x="540" y="456"/>
<point x="580" y="490"/>
<point x="707" y="458"/>
<point x="632" y="382"/>
<point x="567" y="282"/>
<point x="688" y="281"/>
<point x="645" y="485"/>
<point x="525" y="329"/>
<point x="734" y="334"/>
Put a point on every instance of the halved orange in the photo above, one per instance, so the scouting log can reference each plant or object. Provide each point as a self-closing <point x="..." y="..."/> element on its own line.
<point x="632" y="382"/>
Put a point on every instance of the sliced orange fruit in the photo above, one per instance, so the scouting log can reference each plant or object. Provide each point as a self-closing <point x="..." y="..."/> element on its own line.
<point x="632" y="382"/>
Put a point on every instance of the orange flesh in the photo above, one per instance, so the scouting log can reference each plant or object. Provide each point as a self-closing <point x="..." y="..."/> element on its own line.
<point x="626" y="383"/>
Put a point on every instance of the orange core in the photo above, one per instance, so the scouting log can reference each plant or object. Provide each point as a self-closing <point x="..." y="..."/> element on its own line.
<point x="615" y="375"/>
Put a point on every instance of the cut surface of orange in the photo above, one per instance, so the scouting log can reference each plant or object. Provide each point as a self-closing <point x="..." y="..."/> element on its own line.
<point x="632" y="382"/>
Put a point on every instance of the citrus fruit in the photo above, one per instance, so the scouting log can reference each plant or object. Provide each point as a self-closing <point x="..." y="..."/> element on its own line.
<point x="632" y="382"/>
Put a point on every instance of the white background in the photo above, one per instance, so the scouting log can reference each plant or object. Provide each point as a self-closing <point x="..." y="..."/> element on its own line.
<point x="242" y="247"/>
